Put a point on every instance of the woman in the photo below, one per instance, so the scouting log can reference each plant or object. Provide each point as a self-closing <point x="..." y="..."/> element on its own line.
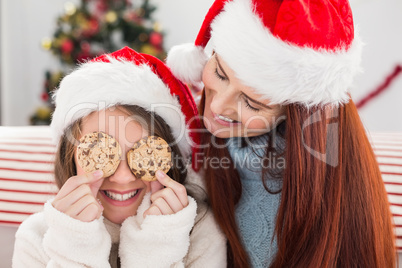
<point x="297" y="183"/>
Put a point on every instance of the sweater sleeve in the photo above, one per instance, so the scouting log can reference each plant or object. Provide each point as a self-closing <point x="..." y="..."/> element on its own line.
<point x="158" y="240"/>
<point x="28" y="246"/>
<point x="66" y="242"/>
<point x="207" y="242"/>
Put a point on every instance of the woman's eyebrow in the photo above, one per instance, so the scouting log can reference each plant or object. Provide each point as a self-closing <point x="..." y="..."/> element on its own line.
<point x="257" y="102"/>
<point x="220" y="66"/>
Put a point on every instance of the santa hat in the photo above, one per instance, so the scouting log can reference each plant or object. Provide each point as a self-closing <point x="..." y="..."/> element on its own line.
<point x="290" y="51"/>
<point x="126" y="77"/>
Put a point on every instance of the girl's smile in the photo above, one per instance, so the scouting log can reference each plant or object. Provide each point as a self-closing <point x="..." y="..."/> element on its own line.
<point x="118" y="198"/>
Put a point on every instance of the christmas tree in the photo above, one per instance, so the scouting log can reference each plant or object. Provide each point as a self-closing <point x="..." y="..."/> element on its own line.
<point x="93" y="28"/>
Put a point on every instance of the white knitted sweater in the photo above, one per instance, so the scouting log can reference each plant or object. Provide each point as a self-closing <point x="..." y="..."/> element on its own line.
<point x="53" y="239"/>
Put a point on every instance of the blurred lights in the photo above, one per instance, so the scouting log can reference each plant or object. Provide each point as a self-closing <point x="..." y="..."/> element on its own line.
<point x="46" y="43"/>
<point x="70" y="8"/>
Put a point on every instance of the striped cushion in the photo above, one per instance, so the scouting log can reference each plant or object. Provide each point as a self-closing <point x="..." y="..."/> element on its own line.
<point x="388" y="149"/>
<point x="26" y="172"/>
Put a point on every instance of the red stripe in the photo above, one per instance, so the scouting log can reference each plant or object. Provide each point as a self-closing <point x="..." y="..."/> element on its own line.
<point x="26" y="161"/>
<point x="29" y="144"/>
<point x="31" y="138"/>
<point x="11" y="222"/>
<point x="380" y="136"/>
<point x="397" y="215"/>
<point x="25" y="152"/>
<point x="387" y="141"/>
<point x="22" y="202"/>
<point x="391" y="173"/>
<point x="394" y="204"/>
<point x="27" y="170"/>
<point x="374" y="144"/>
<point x="393" y="183"/>
<point x="390" y="164"/>
<point x="17" y="212"/>
<point x="396" y="136"/>
<point x="24" y="180"/>
<point x="387" y="149"/>
<point x="390" y="156"/>
<point x="390" y="193"/>
<point x="28" y="192"/>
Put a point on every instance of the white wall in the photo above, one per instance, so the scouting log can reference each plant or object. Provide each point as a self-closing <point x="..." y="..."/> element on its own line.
<point x="181" y="19"/>
<point x="380" y="24"/>
<point x="25" y="22"/>
<point x="23" y="25"/>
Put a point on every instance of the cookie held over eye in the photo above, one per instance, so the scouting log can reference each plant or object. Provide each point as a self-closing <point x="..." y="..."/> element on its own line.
<point x="149" y="155"/>
<point x="99" y="151"/>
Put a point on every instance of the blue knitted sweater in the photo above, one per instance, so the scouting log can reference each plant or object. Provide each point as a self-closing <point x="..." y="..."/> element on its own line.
<point x="257" y="209"/>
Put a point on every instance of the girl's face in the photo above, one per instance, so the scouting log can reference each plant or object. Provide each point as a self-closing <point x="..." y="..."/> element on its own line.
<point x="121" y="193"/>
<point x="233" y="109"/>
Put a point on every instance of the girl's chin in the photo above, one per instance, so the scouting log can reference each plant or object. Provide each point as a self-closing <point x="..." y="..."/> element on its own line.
<point x="118" y="219"/>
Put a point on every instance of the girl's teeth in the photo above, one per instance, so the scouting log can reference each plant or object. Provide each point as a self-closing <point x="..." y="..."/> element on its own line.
<point x="120" y="197"/>
<point x="225" y="119"/>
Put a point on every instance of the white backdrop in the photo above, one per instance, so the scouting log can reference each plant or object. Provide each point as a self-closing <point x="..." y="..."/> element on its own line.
<point x="380" y="26"/>
<point x="25" y="22"/>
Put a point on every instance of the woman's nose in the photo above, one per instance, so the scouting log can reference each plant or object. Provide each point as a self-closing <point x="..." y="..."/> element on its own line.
<point x="222" y="102"/>
<point x="123" y="174"/>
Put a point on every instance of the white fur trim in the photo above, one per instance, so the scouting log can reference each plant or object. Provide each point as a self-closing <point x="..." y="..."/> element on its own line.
<point x="187" y="62"/>
<point x="88" y="89"/>
<point x="279" y="71"/>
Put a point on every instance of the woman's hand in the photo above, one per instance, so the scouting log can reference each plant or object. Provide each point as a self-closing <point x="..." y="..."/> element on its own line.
<point x="166" y="200"/>
<point x="77" y="197"/>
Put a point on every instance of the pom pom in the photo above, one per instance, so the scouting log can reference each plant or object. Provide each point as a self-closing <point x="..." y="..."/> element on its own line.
<point x="187" y="62"/>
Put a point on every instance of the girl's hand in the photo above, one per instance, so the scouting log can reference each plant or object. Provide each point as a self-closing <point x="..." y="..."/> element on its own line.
<point x="77" y="197"/>
<point x="168" y="200"/>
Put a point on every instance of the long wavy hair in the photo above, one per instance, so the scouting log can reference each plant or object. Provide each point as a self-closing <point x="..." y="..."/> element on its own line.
<point x="334" y="210"/>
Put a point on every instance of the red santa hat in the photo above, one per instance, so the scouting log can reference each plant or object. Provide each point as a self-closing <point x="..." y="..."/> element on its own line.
<point x="126" y="77"/>
<point x="289" y="51"/>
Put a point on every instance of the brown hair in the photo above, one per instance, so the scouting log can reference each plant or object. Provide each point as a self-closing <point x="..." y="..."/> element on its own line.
<point x="334" y="210"/>
<point x="65" y="164"/>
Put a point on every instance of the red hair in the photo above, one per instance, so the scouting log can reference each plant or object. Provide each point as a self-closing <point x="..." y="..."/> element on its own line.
<point x="334" y="210"/>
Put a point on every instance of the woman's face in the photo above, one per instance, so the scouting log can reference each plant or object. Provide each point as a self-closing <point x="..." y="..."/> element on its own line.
<point x="121" y="193"/>
<point x="233" y="109"/>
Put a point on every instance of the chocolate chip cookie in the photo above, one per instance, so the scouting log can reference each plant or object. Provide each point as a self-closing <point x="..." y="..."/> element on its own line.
<point x="99" y="151"/>
<point x="149" y="155"/>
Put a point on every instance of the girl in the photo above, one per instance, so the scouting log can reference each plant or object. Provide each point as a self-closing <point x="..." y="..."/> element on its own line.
<point x="119" y="220"/>
<point x="298" y="184"/>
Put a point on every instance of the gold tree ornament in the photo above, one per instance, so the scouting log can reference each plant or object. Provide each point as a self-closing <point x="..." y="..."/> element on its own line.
<point x="111" y="17"/>
<point x="70" y="8"/>
<point x="46" y="43"/>
<point x="157" y="27"/>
